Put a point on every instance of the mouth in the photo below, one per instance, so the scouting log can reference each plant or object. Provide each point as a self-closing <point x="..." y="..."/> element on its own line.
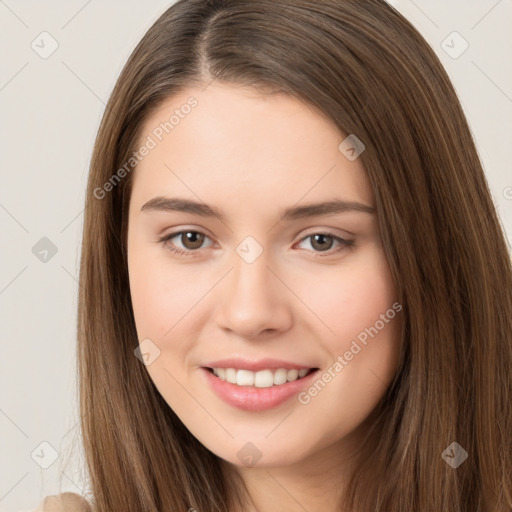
<point x="257" y="392"/>
<point x="260" y="379"/>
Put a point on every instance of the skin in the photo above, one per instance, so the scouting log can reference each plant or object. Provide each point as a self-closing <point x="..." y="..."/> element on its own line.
<point x="250" y="156"/>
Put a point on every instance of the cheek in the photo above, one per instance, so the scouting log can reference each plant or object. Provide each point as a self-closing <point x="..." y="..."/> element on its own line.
<point x="351" y="298"/>
<point x="358" y="304"/>
<point x="163" y="300"/>
<point x="161" y="293"/>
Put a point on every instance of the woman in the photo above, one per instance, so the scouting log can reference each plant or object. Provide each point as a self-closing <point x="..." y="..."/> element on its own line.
<point x="295" y="292"/>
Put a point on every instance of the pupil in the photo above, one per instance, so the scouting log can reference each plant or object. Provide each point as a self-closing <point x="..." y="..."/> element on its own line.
<point x="192" y="237"/>
<point x="322" y="245"/>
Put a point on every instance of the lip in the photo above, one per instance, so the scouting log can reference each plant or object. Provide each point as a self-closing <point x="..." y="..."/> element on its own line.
<point x="261" y="364"/>
<point x="250" y="398"/>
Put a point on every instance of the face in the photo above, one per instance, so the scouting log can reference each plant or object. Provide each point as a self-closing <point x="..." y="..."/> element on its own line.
<point x="250" y="278"/>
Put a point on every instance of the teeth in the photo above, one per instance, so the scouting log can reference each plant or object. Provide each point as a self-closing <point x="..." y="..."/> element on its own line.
<point x="260" y="379"/>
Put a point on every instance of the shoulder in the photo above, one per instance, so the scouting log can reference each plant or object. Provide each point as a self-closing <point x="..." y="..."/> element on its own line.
<point x="65" y="502"/>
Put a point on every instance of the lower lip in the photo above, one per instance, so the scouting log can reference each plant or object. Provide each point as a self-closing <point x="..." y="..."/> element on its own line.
<point x="251" y="398"/>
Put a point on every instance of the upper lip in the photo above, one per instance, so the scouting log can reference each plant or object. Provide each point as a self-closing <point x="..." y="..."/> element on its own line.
<point x="261" y="364"/>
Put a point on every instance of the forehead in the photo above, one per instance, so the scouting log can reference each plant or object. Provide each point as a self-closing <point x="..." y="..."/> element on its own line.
<point x="228" y="141"/>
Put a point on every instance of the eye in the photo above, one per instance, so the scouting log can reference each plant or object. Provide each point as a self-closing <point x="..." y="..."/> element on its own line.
<point x="323" y="242"/>
<point x="190" y="239"/>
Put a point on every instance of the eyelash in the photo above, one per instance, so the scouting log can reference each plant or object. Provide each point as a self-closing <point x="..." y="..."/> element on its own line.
<point x="345" y="244"/>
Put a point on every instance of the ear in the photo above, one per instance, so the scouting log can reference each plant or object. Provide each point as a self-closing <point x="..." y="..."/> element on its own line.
<point x="65" y="502"/>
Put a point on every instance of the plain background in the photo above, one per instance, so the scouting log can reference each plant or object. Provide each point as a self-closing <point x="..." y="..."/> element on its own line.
<point x="50" y="111"/>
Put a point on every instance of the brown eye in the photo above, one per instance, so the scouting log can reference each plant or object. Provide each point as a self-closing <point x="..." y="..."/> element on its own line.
<point x="191" y="239"/>
<point x="187" y="242"/>
<point x="322" y="242"/>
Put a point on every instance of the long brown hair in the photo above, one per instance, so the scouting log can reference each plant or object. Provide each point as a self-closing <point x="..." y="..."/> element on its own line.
<point x="362" y="64"/>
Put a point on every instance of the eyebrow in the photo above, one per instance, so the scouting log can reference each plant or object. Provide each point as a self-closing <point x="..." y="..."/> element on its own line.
<point x="175" y="204"/>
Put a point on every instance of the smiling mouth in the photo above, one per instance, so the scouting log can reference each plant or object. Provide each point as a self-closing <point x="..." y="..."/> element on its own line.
<point x="260" y="379"/>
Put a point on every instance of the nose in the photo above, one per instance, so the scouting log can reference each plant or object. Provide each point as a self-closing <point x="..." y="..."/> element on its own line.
<point x="253" y="302"/>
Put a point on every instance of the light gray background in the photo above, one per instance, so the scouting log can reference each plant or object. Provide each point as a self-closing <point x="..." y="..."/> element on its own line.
<point x="50" y="111"/>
